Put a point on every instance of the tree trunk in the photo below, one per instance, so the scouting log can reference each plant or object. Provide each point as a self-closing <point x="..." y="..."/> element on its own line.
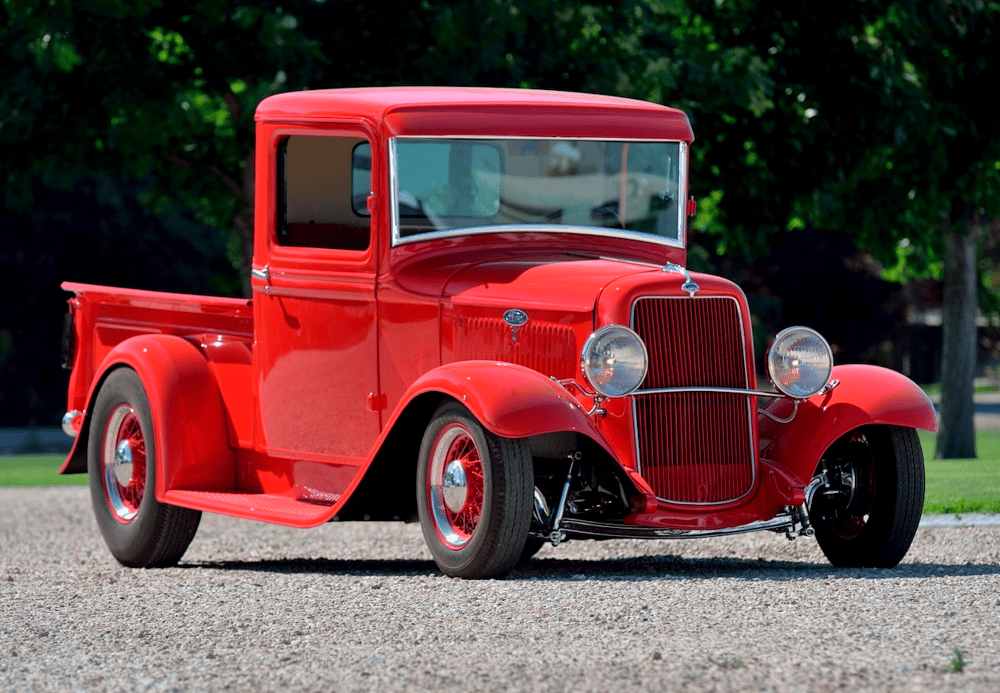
<point x="956" y="433"/>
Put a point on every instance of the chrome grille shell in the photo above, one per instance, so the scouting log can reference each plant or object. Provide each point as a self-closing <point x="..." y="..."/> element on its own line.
<point x="695" y="448"/>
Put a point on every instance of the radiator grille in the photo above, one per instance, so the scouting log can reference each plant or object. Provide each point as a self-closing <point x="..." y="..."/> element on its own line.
<point x="694" y="447"/>
<point x="545" y="347"/>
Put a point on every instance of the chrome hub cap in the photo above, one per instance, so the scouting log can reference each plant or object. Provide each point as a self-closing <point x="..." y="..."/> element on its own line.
<point x="123" y="463"/>
<point x="454" y="487"/>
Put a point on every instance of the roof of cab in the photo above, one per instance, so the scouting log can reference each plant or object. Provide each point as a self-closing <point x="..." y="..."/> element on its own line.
<point x="480" y="111"/>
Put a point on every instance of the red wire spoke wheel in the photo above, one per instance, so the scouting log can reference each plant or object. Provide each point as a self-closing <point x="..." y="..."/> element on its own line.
<point x="455" y="485"/>
<point x="474" y="495"/>
<point x="123" y="459"/>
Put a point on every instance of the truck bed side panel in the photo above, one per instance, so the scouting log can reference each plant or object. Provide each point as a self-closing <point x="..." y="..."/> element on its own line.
<point x="221" y="327"/>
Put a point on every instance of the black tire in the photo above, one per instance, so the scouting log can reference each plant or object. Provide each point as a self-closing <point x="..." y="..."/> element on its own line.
<point x="140" y="531"/>
<point x="873" y="524"/>
<point x="474" y="495"/>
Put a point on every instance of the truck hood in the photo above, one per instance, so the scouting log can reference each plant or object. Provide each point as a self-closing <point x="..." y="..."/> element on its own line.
<point x="535" y="312"/>
<point x="560" y="283"/>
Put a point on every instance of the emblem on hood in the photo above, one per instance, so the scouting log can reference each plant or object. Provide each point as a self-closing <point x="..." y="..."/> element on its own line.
<point x="516" y="318"/>
<point x="688" y="286"/>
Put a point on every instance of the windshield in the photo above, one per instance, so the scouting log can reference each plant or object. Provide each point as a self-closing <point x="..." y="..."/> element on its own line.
<point x="451" y="186"/>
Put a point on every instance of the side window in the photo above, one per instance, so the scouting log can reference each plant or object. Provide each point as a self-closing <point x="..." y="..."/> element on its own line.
<point x="317" y="189"/>
<point x="361" y="178"/>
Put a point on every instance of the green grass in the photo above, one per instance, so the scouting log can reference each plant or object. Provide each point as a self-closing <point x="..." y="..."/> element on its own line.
<point x="953" y="486"/>
<point x="37" y="470"/>
<point x="981" y="387"/>
<point x="964" y="486"/>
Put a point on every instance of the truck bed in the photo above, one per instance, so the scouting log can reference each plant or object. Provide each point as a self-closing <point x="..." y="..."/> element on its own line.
<point x="105" y="316"/>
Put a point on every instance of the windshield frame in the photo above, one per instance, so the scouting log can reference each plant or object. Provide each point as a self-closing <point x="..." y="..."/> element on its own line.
<point x="397" y="239"/>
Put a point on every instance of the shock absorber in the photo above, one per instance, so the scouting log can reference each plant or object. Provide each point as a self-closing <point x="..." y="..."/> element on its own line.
<point x="556" y="535"/>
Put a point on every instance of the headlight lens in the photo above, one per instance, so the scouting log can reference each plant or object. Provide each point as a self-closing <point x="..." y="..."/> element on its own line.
<point x="799" y="362"/>
<point x="615" y="361"/>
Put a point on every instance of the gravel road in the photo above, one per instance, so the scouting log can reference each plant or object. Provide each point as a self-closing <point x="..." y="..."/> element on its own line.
<point x="360" y="607"/>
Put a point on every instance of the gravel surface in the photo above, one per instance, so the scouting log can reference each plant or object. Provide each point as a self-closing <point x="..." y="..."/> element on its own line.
<point x="360" y="607"/>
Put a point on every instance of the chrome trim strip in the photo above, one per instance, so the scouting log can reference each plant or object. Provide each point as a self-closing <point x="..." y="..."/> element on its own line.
<point x="751" y="420"/>
<point x="717" y="390"/>
<point x="682" y="195"/>
<point x="393" y="193"/>
<point x="616" y="531"/>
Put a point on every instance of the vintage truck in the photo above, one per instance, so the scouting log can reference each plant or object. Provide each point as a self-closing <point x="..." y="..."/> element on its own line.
<point x="471" y="309"/>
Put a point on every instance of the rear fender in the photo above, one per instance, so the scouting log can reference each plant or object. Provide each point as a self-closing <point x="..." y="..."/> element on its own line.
<point x="509" y="400"/>
<point x="864" y="395"/>
<point x="192" y="449"/>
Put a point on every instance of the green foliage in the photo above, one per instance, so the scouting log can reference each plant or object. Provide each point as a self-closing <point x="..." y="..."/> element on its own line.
<point x="864" y="117"/>
<point x="957" y="662"/>
<point x="163" y="92"/>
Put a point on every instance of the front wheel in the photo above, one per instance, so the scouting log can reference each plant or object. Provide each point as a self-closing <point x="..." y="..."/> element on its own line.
<point x="867" y="511"/>
<point x="474" y="495"/>
<point x="140" y="531"/>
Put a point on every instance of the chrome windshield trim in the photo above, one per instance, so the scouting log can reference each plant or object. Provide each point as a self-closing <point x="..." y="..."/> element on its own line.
<point x="602" y="232"/>
<point x="682" y="196"/>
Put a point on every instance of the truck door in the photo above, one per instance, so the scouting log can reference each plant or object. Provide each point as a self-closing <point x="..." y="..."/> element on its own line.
<point x="314" y="299"/>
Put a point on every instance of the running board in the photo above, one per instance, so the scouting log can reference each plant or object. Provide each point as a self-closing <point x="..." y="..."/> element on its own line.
<point x="605" y="530"/>
<point x="281" y="510"/>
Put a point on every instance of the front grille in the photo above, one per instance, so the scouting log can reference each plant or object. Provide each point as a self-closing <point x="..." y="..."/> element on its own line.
<point x="695" y="447"/>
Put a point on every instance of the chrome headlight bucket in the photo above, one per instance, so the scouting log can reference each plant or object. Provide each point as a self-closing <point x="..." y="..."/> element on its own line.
<point x="615" y="361"/>
<point x="799" y="362"/>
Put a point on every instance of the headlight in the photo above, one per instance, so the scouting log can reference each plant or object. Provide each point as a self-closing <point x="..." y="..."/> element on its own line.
<point x="799" y="362"/>
<point x="615" y="361"/>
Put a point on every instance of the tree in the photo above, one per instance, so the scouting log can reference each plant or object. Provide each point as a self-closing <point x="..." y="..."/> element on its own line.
<point x="162" y="92"/>
<point x="862" y="116"/>
<point x="871" y="119"/>
<point x="944" y="159"/>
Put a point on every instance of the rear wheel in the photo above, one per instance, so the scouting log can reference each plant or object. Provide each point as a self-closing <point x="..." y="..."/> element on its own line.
<point x="474" y="495"/>
<point x="866" y="514"/>
<point x="140" y="531"/>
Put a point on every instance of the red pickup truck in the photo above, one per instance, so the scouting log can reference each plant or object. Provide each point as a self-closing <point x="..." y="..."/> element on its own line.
<point x="471" y="309"/>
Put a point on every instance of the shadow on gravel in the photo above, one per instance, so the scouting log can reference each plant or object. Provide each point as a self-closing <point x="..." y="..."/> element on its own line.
<point x="679" y="568"/>
<point x="321" y="566"/>
<point x="620" y="569"/>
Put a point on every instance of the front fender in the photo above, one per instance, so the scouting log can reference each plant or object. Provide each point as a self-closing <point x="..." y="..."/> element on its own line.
<point x="865" y="395"/>
<point x="192" y="448"/>
<point x="510" y="400"/>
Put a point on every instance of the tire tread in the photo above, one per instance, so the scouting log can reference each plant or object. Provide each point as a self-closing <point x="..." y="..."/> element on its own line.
<point x="900" y="484"/>
<point x="159" y="534"/>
